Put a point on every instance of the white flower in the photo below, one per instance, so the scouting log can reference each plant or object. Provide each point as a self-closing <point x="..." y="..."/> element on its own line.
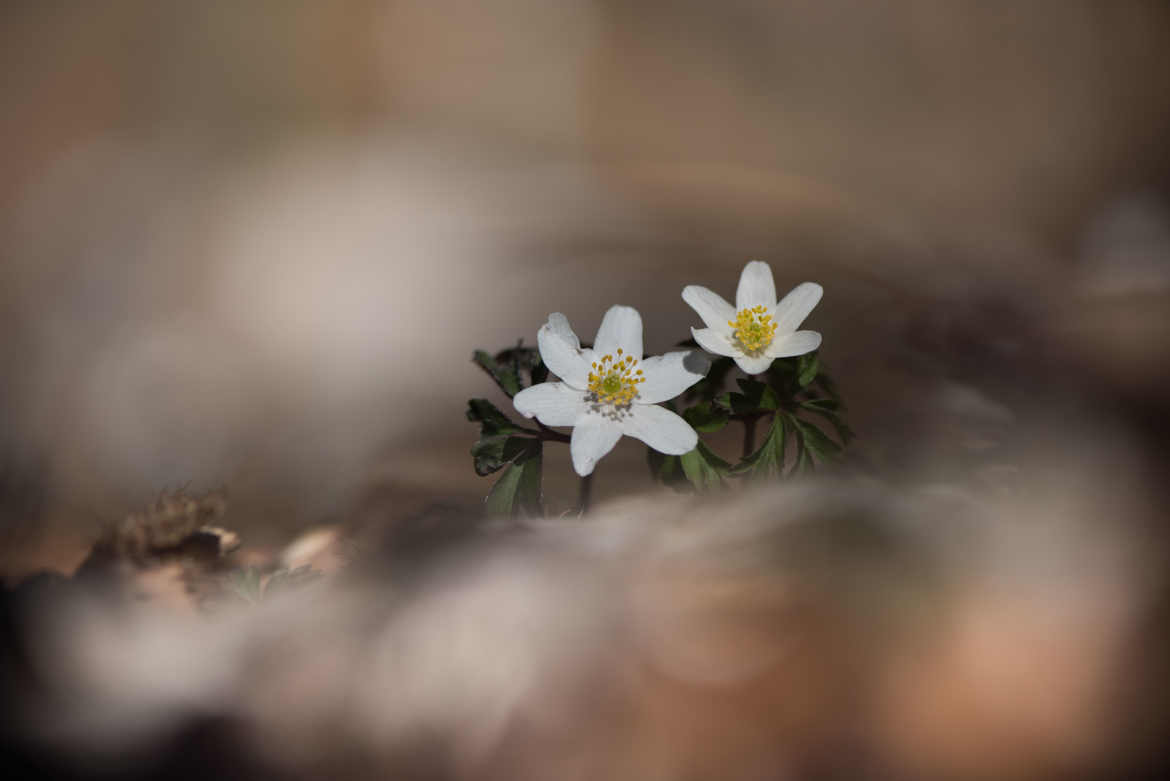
<point x="757" y="330"/>
<point x="610" y="390"/>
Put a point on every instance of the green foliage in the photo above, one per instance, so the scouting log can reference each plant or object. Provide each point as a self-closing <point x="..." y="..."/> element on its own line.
<point x="705" y="417"/>
<point x="517" y="493"/>
<point x="703" y="468"/>
<point x="510" y="367"/>
<point x="768" y="460"/>
<point x="796" y="399"/>
<point x="504" y="445"/>
<point x="754" y="397"/>
<point x="700" y="469"/>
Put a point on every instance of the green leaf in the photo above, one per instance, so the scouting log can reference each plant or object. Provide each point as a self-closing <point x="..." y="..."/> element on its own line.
<point x="703" y="468"/>
<point x="815" y="441"/>
<point x="705" y="417"/>
<point x="505" y="376"/>
<point x="488" y="454"/>
<point x="665" y="469"/>
<point x="807" y="369"/>
<point x="489" y="416"/>
<point x="768" y="460"/>
<point x="755" y="396"/>
<point x="517" y="493"/>
<point x="524" y="360"/>
<point x="827" y="409"/>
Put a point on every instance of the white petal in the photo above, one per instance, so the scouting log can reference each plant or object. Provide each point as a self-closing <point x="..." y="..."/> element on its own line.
<point x="660" y="428"/>
<point x="753" y="365"/>
<point x="795" y="306"/>
<point x="798" y="343"/>
<point x="671" y="374"/>
<point x="756" y="287"/>
<point x="710" y="306"/>
<point x="621" y="327"/>
<point x="593" y="437"/>
<point x="560" y="349"/>
<point x="713" y="342"/>
<point x="552" y="403"/>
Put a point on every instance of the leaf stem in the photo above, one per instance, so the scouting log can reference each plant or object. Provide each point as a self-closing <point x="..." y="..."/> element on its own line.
<point x="749" y="434"/>
<point x="585" y="494"/>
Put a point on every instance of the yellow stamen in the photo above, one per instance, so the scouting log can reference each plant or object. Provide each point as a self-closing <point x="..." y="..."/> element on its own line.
<point x="615" y="381"/>
<point x="754" y="329"/>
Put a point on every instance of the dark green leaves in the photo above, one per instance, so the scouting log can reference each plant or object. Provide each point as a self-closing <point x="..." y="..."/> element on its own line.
<point x="701" y="468"/>
<point x="795" y="399"/>
<point x="705" y="417"/>
<point x="768" y="460"/>
<point x="806" y="369"/>
<point x="830" y="409"/>
<point x="503" y="444"/>
<point x="810" y="446"/>
<point x="754" y="397"/>
<point x="509" y="368"/>
<point x="494" y="433"/>
<point x="518" y="493"/>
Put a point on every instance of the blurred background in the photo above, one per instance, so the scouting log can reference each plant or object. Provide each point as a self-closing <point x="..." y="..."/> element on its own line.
<point x="252" y="244"/>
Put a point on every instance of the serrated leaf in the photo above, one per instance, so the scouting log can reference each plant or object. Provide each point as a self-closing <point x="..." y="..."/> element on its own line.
<point x="488" y="454"/>
<point x="768" y="459"/>
<point x="505" y="376"/>
<point x="815" y="441"/>
<point x="517" y="493"/>
<point x="524" y="360"/>
<point x="806" y="369"/>
<point x="703" y="468"/>
<point x="827" y="409"/>
<point x="706" y="417"/>
<point x="489" y="416"/>
<point x="755" y="396"/>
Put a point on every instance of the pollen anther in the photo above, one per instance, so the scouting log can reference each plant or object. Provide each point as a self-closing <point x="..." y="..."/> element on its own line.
<point x="754" y="329"/>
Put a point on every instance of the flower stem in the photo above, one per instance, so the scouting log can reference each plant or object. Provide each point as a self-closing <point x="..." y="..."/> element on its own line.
<point x="749" y="435"/>
<point x="585" y="494"/>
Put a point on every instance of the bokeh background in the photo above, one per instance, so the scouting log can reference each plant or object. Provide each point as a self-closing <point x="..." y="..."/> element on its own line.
<point x="253" y="244"/>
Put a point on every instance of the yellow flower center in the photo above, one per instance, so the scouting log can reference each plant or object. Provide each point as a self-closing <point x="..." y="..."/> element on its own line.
<point x="754" y="329"/>
<point x="615" y="380"/>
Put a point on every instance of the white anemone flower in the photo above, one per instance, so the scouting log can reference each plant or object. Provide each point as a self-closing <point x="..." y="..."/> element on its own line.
<point x="757" y="330"/>
<point x="610" y="390"/>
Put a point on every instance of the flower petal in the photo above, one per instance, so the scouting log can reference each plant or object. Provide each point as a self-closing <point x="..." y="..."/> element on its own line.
<point x="798" y="343"/>
<point x="795" y="306"/>
<point x="621" y="327"/>
<point x="560" y="349"/>
<point x="753" y="365"/>
<point x="593" y="437"/>
<point x="552" y="403"/>
<point x="671" y="374"/>
<point x="710" y="306"/>
<point x="756" y="287"/>
<point x="714" y="342"/>
<point x="659" y="428"/>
